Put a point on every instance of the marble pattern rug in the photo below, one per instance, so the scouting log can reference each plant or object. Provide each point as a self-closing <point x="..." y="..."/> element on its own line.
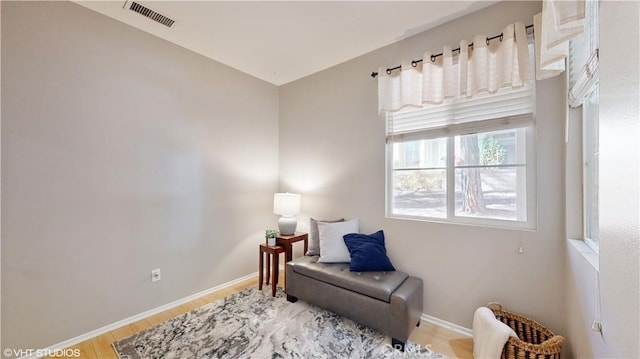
<point x="253" y="324"/>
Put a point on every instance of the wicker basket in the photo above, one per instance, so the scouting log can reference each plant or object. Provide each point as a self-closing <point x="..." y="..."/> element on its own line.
<point x="534" y="340"/>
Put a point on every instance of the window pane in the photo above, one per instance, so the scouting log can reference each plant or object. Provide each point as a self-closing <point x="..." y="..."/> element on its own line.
<point x="419" y="178"/>
<point x="490" y="148"/>
<point x="490" y="175"/>
<point x="496" y="193"/>
<point x="420" y="154"/>
<point x="420" y="193"/>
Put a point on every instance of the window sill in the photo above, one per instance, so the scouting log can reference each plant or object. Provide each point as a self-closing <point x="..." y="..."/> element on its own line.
<point x="469" y="221"/>
<point x="586" y="251"/>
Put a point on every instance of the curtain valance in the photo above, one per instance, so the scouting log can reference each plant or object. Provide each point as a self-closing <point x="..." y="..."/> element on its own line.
<point x="584" y="58"/>
<point x="558" y="23"/>
<point x="485" y="67"/>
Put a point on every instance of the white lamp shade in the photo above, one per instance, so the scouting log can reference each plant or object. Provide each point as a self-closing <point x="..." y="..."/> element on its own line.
<point x="286" y="204"/>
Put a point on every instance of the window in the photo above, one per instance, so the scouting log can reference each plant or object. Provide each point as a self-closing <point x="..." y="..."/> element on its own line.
<point x="470" y="161"/>
<point x="583" y="92"/>
<point x="590" y="171"/>
<point x="488" y="177"/>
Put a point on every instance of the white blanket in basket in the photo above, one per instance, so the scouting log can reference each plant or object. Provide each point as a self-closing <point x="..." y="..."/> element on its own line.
<point x="489" y="334"/>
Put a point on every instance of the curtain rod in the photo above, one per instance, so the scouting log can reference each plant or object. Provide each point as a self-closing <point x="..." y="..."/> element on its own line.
<point x="414" y="63"/>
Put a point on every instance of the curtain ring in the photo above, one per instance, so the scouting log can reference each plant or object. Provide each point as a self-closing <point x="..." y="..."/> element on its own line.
<point x="388" y="71"/>
<point x="433" y="58"/>
<point x="414" y="63"/>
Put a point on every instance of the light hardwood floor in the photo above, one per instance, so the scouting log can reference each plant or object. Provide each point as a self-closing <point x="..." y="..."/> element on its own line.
<point x="435" y="337"/>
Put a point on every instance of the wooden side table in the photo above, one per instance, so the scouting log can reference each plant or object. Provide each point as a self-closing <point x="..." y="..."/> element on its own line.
<point x="272" y="266"/>
<point x="286" y="242"/>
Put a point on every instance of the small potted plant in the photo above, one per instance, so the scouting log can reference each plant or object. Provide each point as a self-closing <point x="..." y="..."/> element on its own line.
<point x="271" y="235"/>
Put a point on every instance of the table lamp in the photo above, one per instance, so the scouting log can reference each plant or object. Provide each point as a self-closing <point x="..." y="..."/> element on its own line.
<point x="287" y="205"/>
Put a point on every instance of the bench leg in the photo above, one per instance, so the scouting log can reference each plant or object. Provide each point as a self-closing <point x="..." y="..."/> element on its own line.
<point x="291" y="299"/>
<point x="396" y="344"/>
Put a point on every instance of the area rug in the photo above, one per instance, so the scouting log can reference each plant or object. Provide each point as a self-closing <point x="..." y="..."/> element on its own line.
<point x="253" y="324"/>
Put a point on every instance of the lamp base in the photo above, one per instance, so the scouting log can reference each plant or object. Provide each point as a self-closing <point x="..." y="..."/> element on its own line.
<point x="287" y="225"/>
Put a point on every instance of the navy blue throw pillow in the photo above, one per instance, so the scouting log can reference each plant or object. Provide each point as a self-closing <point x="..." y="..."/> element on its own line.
<point x="368" y="253"/>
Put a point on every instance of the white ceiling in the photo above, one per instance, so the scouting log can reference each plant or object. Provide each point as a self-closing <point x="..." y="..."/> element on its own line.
<point x="280" y="41"/>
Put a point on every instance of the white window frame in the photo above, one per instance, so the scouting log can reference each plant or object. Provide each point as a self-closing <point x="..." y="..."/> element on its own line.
<point x="583" y="76"/>
<point x="594" y="243"/>
<point x="531" y="186"/>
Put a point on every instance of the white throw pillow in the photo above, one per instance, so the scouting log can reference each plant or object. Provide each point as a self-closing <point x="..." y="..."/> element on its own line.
<point x="332" y="247"/>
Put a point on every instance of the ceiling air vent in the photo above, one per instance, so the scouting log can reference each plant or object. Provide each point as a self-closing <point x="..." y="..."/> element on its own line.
<point x="145" y="11"/>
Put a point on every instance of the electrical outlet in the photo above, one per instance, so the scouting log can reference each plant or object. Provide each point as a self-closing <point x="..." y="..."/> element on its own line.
<point x="155" y="275"/>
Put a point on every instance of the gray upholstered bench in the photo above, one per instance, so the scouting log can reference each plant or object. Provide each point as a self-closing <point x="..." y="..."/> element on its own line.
<point x="389" y="302"/>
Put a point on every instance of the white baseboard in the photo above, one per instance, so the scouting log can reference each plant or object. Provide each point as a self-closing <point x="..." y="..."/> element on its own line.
<point x="107" y="328"/>
<point x="448" y="325"/>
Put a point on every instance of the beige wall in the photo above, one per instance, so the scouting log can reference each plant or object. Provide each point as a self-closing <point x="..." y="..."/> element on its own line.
<point x="619" y="260"/>
<point x="619" y="177"/>
<point x="332" y="151"/>
<point x="122" y="153"/>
